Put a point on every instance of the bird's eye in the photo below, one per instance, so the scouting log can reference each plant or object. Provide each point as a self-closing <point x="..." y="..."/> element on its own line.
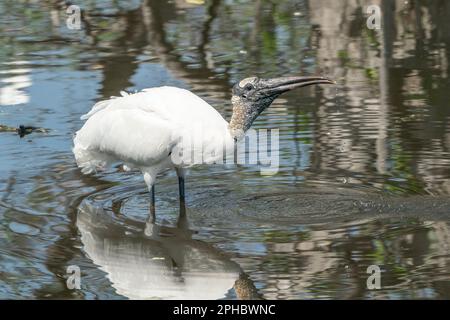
<point x="248" y="87"/>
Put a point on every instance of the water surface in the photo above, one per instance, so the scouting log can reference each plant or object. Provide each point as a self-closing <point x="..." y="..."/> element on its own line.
<point x="364" y="175"/>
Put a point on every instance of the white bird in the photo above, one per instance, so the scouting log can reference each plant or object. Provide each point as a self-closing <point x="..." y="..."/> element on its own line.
<point x="145" y="129"/>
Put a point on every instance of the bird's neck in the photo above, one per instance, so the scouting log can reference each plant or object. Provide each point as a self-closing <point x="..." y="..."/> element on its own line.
<point x="240" y="121"/>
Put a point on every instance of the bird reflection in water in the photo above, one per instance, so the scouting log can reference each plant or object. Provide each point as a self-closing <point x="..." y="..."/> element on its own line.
<point x="151" y="261"/>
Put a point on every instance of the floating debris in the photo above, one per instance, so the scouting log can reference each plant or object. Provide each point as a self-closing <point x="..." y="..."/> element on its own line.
<point x="23" y="130"/>
<point x="7" y="129"/>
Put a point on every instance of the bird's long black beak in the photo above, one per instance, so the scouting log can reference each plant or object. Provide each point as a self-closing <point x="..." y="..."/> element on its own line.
<point x="280" y="85"/>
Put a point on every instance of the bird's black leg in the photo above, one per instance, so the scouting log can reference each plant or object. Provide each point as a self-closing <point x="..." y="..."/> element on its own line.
<point x="152" y="205"/>
<point x="182" y="198"/>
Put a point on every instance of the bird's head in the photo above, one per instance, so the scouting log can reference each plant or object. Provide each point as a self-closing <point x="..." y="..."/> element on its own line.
<point x="253" y="95"/>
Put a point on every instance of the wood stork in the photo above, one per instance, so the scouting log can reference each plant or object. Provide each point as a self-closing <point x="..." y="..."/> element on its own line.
<point x="143" y="129"/>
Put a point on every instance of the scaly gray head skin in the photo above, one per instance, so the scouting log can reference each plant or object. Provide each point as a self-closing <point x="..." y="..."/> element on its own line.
<point x="252" y="96"/>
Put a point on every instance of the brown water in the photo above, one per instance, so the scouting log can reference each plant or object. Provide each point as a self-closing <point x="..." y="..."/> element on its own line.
<point x="365" y="165"/>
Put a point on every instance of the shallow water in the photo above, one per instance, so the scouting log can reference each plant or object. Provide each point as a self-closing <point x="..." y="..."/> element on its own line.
<point x="364" y="175"/>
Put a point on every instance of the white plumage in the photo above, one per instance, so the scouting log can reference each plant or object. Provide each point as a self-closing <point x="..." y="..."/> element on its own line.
<point x="142" y="130"/>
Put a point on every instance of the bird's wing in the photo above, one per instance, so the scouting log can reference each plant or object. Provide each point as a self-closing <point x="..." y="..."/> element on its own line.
<point x="174" y="104"/>
<point x="103" y="104"/>
<point x="143" y="128"/>
<point x="132" y="136"/>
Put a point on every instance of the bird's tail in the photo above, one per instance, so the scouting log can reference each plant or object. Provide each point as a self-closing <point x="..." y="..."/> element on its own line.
<point x="88" y="160"/>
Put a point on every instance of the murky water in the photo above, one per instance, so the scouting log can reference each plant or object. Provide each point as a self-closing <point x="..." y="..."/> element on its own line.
<point x="364" y="173"/>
